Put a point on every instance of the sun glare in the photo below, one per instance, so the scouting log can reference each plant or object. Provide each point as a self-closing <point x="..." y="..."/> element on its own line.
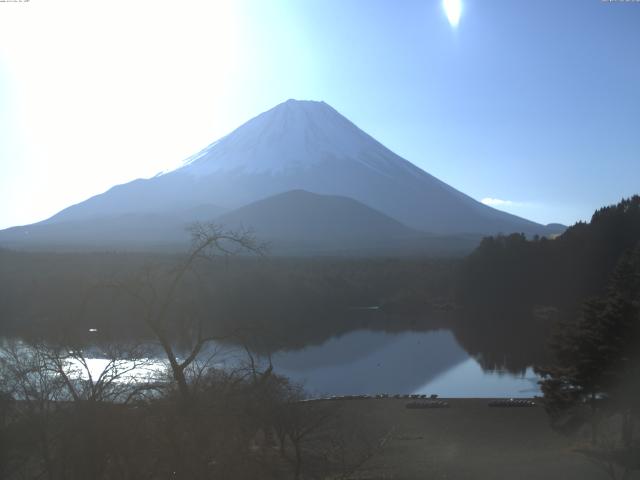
<point x="453" y="10"/>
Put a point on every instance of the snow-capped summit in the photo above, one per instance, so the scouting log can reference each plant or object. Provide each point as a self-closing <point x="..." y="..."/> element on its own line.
<point x="294" y="135"/>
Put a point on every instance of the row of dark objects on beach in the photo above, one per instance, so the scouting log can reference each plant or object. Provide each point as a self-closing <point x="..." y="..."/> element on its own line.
<point x="427" y="404"/>
<point x="425" y="401"/>
<point x="381" y="396"/>
<point x="494" y="403"/>
<point x="512" y="403"/>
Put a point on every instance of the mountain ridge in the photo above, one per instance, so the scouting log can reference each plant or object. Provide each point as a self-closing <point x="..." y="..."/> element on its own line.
<point x="303" y="145"/>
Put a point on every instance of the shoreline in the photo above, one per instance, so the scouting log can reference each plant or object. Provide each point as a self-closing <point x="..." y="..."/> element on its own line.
<point x="467" y="440"/>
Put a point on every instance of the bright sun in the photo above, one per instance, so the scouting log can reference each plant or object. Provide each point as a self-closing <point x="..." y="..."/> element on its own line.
<point x="453" y="9"/>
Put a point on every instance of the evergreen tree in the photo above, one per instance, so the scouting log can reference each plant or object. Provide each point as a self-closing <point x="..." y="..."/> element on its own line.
<point x="595" y="377"/>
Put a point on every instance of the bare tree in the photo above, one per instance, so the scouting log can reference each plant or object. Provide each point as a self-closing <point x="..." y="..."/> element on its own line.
<point x="64" y="404"/>
<point x="157" y="294"/>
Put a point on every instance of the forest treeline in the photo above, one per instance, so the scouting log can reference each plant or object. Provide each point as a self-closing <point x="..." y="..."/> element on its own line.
<point x="278" y="302"/>
<point x="511" y="270"/>
<point x="515" y="289"/>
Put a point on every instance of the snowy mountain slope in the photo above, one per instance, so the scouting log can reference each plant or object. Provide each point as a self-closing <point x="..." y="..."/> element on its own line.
<point x="294" y="135"/>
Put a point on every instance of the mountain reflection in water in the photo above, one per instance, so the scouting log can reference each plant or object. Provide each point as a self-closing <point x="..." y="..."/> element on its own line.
<point x="370" y="362"/>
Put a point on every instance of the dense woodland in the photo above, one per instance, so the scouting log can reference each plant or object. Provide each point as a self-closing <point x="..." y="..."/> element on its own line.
<point x="513" y="271"/>
<point x="519" y="289"/>
<point x="288" y="302"/>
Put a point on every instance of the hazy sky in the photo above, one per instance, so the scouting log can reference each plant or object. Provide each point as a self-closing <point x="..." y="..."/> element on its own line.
<point x="532" y="105"/>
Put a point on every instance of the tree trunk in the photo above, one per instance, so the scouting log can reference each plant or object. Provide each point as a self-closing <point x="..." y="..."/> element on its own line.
<point x="298" y="467"/>
<point x="181" y="380"/>
<point x="594" y="420"/>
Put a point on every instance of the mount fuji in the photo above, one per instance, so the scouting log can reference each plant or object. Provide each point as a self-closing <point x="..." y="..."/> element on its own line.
<point x="296" y="146"/>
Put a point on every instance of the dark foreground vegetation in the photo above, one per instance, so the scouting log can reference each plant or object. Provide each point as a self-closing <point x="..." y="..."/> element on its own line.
<point x="60" y="422"/>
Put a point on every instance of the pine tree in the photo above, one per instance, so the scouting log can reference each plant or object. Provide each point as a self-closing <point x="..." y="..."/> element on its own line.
<point x="596" y="374"/>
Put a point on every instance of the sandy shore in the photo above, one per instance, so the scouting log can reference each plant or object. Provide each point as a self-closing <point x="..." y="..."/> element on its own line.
<point x="468" y="440"/>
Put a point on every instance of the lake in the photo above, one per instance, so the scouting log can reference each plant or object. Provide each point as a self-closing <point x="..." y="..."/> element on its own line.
<point x="371" y="362"/>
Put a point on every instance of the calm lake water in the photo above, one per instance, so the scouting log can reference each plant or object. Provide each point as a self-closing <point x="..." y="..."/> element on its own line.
<point x="371" y="362"/>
